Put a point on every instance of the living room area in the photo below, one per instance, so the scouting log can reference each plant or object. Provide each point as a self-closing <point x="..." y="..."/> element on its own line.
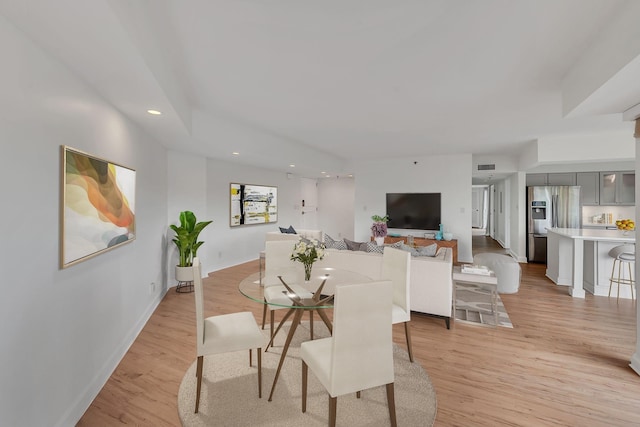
<point x="526" y="374"/>
<point x="334" y="127"/>
<point x="550" y="369"/>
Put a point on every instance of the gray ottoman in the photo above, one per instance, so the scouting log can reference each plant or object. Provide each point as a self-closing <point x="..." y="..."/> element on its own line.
<point x="507" y="270"/>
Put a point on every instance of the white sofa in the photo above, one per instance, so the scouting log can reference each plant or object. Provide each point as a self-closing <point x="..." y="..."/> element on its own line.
<point x="431" y="282"/>
<point x="309" y="234"/>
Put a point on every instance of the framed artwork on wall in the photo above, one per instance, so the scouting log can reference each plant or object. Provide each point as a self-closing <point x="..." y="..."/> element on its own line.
<point x="253" y="204"/>
<point x="97" y="206"/>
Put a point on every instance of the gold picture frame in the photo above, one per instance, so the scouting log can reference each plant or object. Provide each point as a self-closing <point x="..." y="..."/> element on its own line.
<point x="97" y="207"/>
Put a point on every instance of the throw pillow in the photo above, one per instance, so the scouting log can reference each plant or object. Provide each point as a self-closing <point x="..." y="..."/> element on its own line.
<point x="289" y="230"/>
<point x="335" y="244"/>
<point x="427" y="250"/>
<point x="356" y="246"/>
<point x="409" y="249"/>
<point x="397" y="245"/>
<point x="373" y="247"/>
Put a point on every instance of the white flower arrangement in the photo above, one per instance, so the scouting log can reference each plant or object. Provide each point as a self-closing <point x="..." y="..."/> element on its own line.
<point x="307" y="251"/>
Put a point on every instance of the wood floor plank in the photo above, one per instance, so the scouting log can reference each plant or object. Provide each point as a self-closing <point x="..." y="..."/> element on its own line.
<point x="565" y="362"/>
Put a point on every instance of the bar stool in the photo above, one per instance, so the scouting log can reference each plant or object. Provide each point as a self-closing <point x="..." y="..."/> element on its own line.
<point x="623" y="254"/>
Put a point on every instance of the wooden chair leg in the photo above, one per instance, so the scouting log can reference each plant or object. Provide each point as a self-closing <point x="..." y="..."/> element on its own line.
<point x="305" y="373"/>
<point x="198" y="381"/>
<point x="408" y="334"/>
<point x="260" y="373"/>
<point x="250" y="357"/>
<point x="272" y="320"/>
<point x="264" y="313"/>
<point x="311" y="323"/>
<point x="391" y="401"/>
<point x="358" y="395"/>
<point x="333" y="406"/>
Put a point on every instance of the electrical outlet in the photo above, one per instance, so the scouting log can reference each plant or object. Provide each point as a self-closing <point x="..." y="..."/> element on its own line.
<point x="152" y="288"/>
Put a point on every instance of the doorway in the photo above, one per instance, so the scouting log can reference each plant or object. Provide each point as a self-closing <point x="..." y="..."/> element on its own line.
<point x="479" y="209"/>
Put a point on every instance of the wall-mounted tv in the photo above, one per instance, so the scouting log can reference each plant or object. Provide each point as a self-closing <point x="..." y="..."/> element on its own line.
<point x="416" y="211"/>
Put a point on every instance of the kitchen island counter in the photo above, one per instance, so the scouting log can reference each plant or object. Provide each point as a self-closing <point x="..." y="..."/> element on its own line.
<point x="578" y="258"/>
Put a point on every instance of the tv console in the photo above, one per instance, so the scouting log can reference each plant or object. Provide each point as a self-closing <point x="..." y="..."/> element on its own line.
<point x="421" y="241"/>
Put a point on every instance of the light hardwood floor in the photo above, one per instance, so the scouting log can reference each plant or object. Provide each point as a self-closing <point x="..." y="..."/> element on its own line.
<point x="565" y="363"/>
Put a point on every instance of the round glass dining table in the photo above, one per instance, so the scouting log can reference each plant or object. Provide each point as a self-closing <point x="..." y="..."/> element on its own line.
<point x="290" y="290"/>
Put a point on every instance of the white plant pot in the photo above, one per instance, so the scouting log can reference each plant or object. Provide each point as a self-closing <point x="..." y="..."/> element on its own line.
<point x="379" y="240"/>
<point x="184" y="274"/>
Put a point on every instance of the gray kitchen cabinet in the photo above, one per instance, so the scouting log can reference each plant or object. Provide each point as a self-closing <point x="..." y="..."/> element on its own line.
<point x="590" y="188"/>
<point x="561" y="179"/>
<point x="534" y="179"/>
<point x="618" y="188"/>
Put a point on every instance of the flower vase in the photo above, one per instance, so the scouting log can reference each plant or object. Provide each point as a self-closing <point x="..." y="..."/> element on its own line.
<point x="379" y="240"/>
<point x="307" y="271"/>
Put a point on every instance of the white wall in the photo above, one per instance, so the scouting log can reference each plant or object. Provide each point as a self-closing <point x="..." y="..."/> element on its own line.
<point x="63" y="331"/>
<point x="203" y="188"/>
<point x="501" y="207"/>
<point x="448" y="175"/>
<point x="517" y="218"/>
<point x="335" y="207"/>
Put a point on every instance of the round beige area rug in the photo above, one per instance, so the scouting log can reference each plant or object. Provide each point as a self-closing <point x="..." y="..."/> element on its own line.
<point x="229" y="394"/>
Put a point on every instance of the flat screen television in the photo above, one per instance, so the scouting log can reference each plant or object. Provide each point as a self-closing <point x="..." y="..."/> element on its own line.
<point x="417" y="211"/>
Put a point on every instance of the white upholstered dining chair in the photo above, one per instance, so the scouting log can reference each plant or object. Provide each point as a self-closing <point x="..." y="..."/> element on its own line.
<point x="223" y="334"/>
<point x="359" y="355"/>
<point x="396" y="266"/>
<point x="278" y="263"/>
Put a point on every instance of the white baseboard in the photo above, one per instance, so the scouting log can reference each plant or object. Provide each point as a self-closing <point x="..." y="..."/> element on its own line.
<point x="80" y="406"/>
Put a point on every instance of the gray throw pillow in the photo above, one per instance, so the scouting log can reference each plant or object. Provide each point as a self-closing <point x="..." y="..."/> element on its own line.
<point x="356" y="246"/>
<point x="334" y="244"/>
<point x="397" y="245"/>
<point x="409" y="249"/>
<point x="427" y="250"/>
<point x="289" y="230"/>
<point x="373" y="247"/>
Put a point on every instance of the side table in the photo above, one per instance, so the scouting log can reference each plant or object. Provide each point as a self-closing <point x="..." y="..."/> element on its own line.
<point x="489" y="282"/>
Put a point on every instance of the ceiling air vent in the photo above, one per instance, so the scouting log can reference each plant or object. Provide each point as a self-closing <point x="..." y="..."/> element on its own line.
<point x="491" y="167"/>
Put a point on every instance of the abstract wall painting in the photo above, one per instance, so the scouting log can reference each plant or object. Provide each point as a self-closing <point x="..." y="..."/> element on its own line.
<point x="97" y="207"/>
<point x="253" y="204"/>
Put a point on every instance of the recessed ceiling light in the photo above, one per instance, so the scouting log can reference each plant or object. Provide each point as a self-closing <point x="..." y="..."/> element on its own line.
<point x="323" y="172"/>
<point x="154" y="112"/>
<point x="292" y="166"/>
<point x="235" y="153"/>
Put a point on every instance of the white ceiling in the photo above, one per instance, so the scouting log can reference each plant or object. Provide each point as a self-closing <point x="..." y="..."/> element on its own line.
<point x="316" y="84"/>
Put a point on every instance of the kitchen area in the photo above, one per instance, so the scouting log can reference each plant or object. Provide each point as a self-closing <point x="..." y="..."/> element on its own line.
<point x="572" y="225"/>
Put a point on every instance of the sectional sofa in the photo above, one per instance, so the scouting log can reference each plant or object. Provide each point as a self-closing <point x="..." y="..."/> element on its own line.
<point x="431" y="281"/>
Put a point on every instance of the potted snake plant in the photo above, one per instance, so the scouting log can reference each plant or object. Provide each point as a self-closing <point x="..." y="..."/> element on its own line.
<point x="186" y="240"/>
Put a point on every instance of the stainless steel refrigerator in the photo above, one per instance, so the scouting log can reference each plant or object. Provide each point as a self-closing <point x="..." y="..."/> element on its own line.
<point x="549" y="207"/>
